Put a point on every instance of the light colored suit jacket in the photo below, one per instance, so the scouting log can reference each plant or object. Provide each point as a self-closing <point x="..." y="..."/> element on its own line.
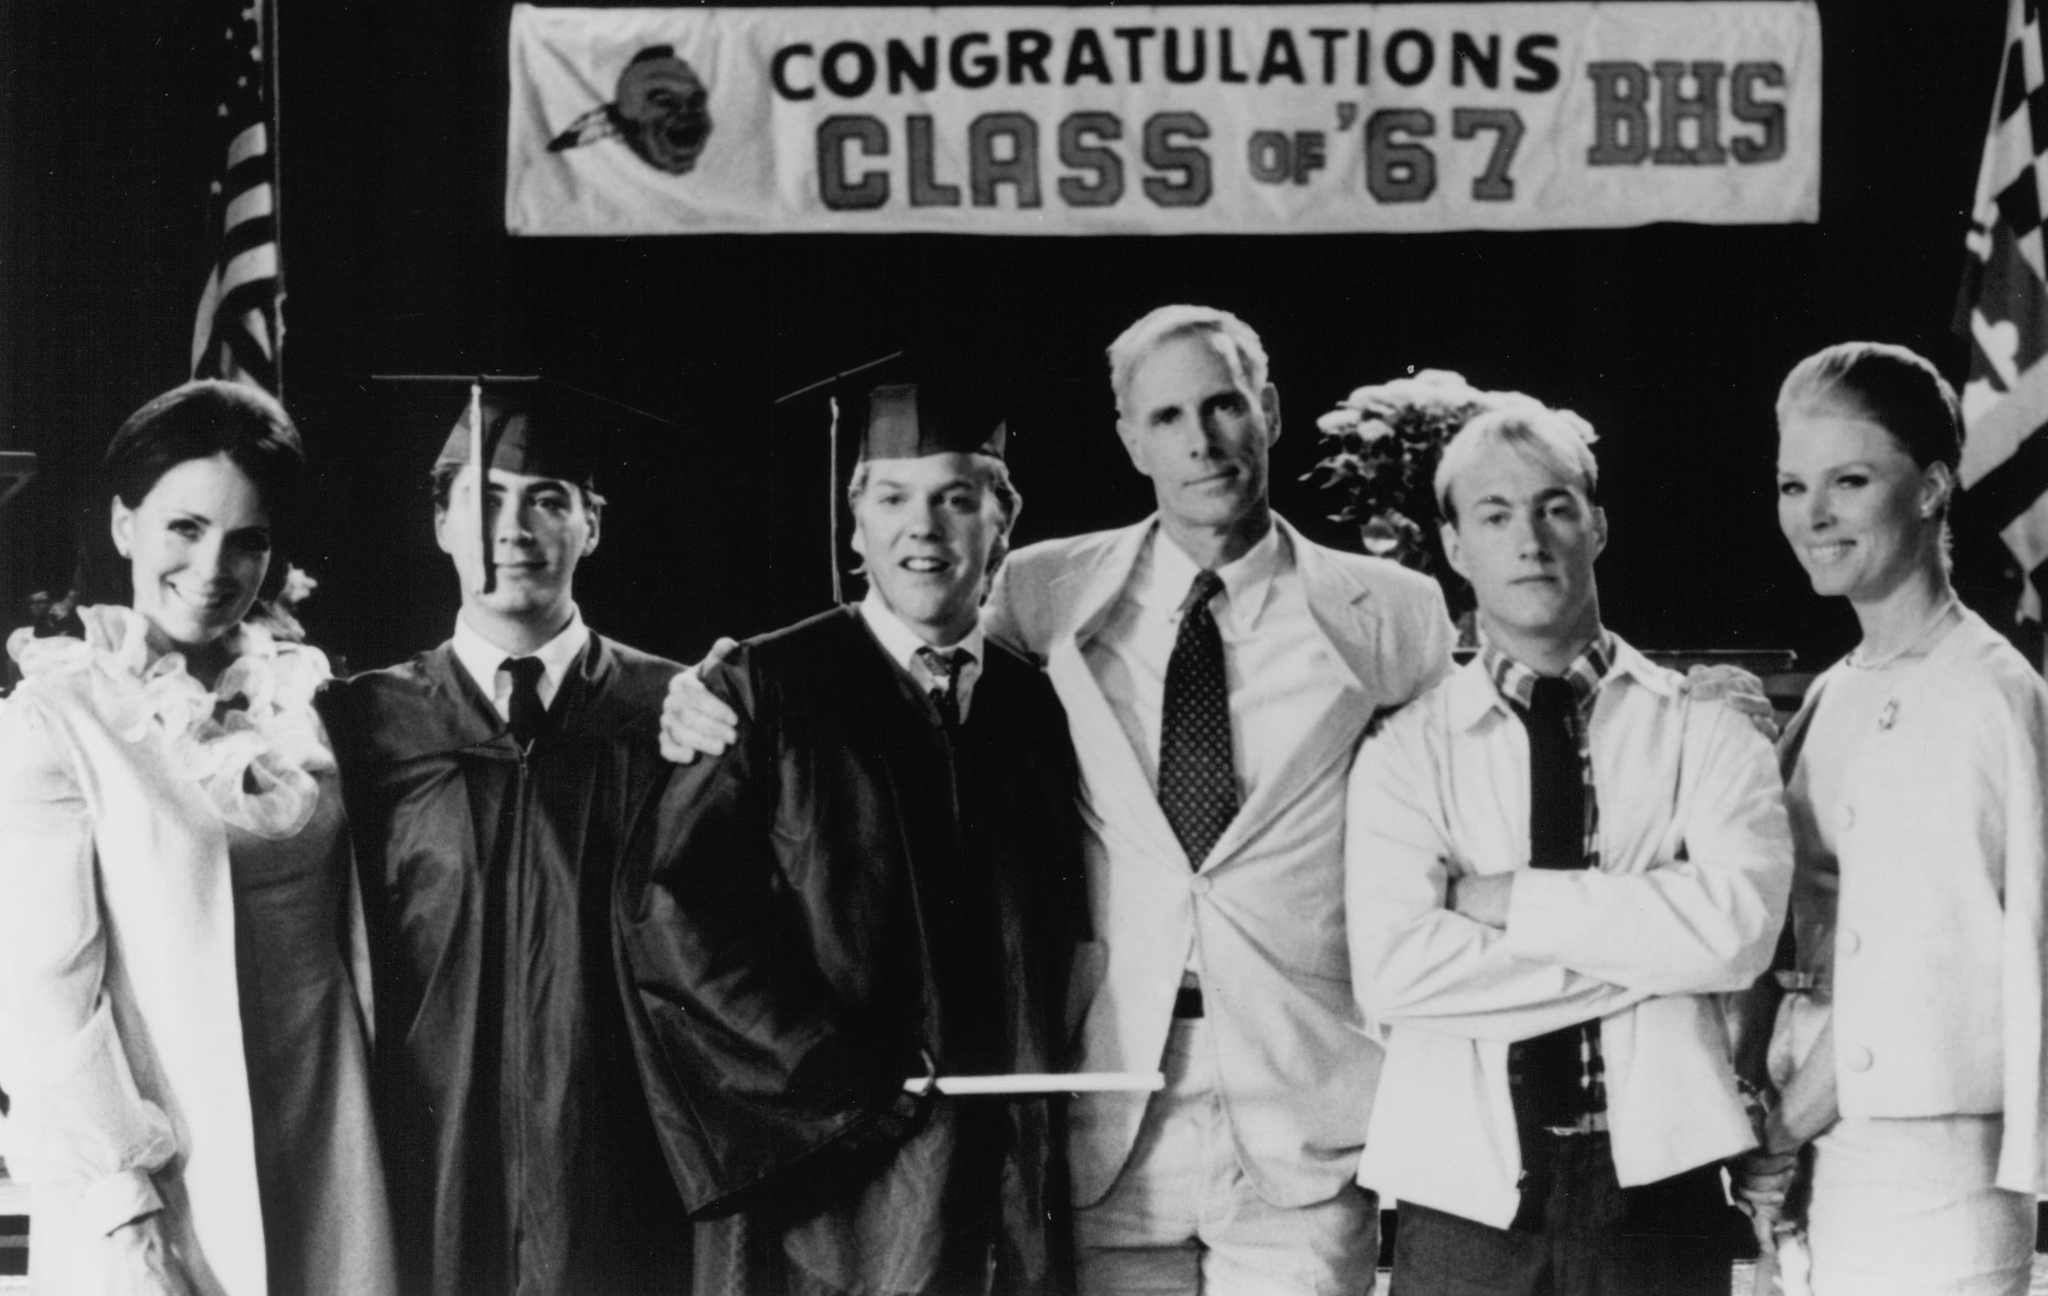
<point x="1935" y="943"/>
<point x="1265" y="914"/>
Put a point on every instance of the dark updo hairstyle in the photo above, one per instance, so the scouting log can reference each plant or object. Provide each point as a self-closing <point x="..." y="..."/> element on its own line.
<point x="199" y="420"/>
<point x="1891" y="386"/>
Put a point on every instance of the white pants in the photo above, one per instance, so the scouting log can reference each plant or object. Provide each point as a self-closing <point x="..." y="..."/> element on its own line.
<point x="1908" y="1207"/>
<point x="1183" y="1217"/>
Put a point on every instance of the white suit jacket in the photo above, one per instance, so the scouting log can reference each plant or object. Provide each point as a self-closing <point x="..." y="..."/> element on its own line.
<point x="1264" y="916"/>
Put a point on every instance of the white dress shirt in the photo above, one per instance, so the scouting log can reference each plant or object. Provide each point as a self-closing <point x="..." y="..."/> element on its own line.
<point x="485" y="661"/>
<point x="902" y="643"/>
<point x="1277" y="663"/>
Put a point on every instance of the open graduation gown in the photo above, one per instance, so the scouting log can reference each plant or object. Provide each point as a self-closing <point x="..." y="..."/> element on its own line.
<point x="851" y="887"/>
<point x="517" y="1141"/>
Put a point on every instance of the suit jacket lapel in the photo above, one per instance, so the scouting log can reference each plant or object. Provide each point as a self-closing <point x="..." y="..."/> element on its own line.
<point x="1100" y="741"/>
<point x="1341" y="607"/>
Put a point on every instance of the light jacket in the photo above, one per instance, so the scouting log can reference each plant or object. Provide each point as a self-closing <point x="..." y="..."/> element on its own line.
<point x="1935" y="948"/>
<point x="1695" y="861"/>
<point x="1265" y="913"/>
<point x="120" y="1021"/>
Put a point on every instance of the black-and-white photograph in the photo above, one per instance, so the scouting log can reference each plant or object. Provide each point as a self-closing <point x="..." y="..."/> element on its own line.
<point x="1015" y="650"/>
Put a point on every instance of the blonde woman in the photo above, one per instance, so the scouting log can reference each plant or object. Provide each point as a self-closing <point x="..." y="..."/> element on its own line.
<point x="1907" y="1048"/>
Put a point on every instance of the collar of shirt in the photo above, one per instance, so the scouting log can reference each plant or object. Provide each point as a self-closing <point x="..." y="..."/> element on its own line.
<point x="902" y="643"/>
<point x="1166" y="574"/>
<point x="1517" y="683"/>
<point x="484" y="660"/>
<point x="1474" y="696"/>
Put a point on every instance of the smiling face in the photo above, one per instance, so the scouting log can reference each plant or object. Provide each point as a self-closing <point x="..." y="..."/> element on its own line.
<point x="540" y="528"/>
<point x="198" y="547"/>
<point x="1526" y="537"/>
<point x="1193" y="423"/>
<point x="1859" y="514"/>
<point x="927" y="528"/>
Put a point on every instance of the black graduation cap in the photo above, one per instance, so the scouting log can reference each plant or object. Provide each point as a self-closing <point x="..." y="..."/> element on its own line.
<point x="525" y="423"/>
<point x="909" y="420"/>
<point x="908" y="405"/>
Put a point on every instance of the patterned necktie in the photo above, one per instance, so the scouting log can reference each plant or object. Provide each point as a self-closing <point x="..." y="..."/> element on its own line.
<point x="1197" y="778"/>
<point x="943" y="665"/>
<point x="529" y="715"/>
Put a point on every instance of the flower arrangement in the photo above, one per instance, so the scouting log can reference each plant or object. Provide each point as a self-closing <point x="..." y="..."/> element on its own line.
<point x="280" y="614"/>
<point x="1385" y="441"/>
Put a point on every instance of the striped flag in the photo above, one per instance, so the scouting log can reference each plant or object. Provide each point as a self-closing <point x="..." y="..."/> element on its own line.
<point x="239" y="332"/>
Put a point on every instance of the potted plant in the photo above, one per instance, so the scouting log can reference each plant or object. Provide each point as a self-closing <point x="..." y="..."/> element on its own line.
<point x="1384" y="442"/>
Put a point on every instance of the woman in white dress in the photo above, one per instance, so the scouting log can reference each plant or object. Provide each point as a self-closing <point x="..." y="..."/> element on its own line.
<point x="180" y="944"/>
<point x="1907" y="1049"/>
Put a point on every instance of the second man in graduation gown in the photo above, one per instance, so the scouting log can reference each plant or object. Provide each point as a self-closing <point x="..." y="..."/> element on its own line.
<point x="880" y="881"/>
<point x="490" y="784"/>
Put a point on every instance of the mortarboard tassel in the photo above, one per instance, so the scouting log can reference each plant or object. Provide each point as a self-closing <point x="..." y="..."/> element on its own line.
<point x="483" y="478"/>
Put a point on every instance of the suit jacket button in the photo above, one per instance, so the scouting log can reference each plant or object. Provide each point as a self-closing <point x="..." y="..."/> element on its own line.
<point x="1859" y="1059"/>
<point x="1200" y="886"/>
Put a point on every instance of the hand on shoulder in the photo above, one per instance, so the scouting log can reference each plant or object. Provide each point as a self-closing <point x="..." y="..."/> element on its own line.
<point x="694" y="722"/>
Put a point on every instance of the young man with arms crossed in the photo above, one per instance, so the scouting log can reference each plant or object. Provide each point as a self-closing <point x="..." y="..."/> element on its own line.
<point x="1556" y="859"/>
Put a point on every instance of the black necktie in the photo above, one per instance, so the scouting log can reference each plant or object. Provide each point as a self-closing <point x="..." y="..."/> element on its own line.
<point x="529" y="715"/>
<point x="943" y="665"/>
<point x="1551" y="1070"/>
<point x="1557" y="780"/>
<point x="1197" y="778"/>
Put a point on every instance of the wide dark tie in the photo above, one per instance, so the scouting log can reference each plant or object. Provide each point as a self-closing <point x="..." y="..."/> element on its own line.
<point x="528" y="715"/>
<point x="1557" y="780"/>
<point x="943" y="665"/>
<point x="1551" y="1069"/>
<point x="1197" y="778"/>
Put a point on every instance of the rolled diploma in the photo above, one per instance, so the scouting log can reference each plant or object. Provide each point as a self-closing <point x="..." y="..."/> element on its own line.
<point x="1029" y="1083"/>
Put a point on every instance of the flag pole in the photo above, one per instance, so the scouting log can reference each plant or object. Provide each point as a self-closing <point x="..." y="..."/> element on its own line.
<point x="267" y="21"/>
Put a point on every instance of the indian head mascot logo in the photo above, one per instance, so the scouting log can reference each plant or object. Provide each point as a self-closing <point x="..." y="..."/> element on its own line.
<point x="659" y="110"/>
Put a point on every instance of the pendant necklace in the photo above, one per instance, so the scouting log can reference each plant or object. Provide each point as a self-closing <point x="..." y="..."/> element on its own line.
<point x="1889" y="715"/>
<point x="1857" y="660"/>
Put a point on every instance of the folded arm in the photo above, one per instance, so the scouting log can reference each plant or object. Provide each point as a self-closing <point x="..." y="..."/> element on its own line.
<point x="1416" y="962"/>
<point x="1703" y="923"/>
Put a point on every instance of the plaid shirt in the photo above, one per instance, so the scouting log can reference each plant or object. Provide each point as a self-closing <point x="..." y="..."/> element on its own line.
<point x="1517" y="684"/>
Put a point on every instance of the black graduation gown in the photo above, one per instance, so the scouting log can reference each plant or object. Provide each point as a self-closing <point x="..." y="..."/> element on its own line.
<point x="517" y="1141"/>
<point x="849" y="887"/>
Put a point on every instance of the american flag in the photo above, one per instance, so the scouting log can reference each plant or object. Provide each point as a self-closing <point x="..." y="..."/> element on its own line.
<point x="240" y="331"/>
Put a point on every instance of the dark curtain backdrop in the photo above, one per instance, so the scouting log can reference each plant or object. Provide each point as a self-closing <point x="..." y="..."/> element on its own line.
<point x="1671" y="339"/>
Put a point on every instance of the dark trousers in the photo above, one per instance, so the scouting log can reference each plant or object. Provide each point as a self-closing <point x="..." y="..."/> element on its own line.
<point x="1580" y="1234"/>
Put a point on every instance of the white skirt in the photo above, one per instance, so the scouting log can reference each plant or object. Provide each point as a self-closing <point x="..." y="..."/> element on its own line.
<point x="1909" y="1207"/>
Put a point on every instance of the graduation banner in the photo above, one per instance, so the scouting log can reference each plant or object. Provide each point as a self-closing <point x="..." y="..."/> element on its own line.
<point x="1163" y="120"/>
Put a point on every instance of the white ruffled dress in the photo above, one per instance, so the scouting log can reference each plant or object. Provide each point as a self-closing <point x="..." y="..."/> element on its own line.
<point x="182" y="1016"/>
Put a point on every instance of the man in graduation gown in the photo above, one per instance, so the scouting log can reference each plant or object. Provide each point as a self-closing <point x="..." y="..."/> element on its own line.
<point x="879" y="882"/>
<point x="490" y="785"/>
